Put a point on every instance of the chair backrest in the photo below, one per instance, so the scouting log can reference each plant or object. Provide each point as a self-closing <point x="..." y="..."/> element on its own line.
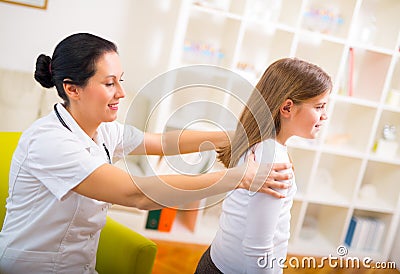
<point x="8" y="141"/>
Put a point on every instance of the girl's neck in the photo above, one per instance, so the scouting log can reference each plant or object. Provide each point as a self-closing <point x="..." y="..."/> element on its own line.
<point x="281" y="139"/>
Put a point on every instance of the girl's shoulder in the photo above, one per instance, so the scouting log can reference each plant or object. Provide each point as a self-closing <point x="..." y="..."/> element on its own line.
<point x="268" y="151"/>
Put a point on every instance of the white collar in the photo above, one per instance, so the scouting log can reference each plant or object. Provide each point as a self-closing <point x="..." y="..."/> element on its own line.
<point x="73" y="125"/>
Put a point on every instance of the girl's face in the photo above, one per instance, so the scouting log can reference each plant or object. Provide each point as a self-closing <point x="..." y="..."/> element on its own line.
<point x="303" y="120"/>
<point x="100" y="97"/>
<point x="308" y="117"/>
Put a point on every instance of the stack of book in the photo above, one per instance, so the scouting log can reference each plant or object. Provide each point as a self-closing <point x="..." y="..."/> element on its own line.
<point x="161" y="219"/>
<point x="365" y="233"/>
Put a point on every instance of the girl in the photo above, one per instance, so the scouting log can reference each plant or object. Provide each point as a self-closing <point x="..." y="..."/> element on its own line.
<point x="254" y="228"/>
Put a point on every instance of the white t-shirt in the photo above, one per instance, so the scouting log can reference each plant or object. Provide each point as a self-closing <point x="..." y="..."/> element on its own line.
<point x="48" y="228"/>
<point x="254" y="228"/>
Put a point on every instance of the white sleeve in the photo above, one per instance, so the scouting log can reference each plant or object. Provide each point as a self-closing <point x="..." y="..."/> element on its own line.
<point x="121" y="139"/>
<point x="132" y="138"/>
<point x="261" y="224"/>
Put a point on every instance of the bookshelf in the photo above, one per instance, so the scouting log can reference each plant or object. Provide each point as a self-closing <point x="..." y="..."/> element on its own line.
<point x="340" y="175"/>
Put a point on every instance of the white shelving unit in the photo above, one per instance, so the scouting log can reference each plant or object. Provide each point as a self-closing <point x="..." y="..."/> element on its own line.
<point x="334" y="171"/>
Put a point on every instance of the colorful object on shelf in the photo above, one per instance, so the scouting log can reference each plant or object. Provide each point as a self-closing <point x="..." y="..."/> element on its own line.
<point x="347" y="81"/>
<point x="161" y="219"/>
<point x="387" y="145"/>
<point x="389" y="132"/>
<point x="365" y="233"/>
<point x="351" y="72"/>
<point x="245" y="66"/>
<point x="247" y="69"/>
<point x="324" y="20"/>
<point x="167" y="218"/>
<point x="153" y="218"/>
<point x="393" y="98"/>
<point x="200" y="52"/>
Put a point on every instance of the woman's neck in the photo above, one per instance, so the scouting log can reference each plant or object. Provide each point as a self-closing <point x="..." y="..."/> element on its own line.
<point x="83" y="122"/>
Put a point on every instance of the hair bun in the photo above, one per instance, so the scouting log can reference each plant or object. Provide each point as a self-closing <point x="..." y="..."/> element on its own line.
<point x="43" y="72"/>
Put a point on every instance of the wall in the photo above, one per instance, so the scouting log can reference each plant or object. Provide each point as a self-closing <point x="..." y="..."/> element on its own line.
<point x="141" y="29"/>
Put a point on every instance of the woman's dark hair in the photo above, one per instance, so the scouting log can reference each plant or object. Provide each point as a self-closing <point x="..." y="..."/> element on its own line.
<point x="74" y="61"/>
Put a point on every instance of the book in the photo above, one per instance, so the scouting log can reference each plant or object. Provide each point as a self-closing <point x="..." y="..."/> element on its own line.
<point x="153" y="219"/>
<point x="360" y="232"/>
<point x="365" y="228"/>
<point x="379" y="233"/>
<point x="350" y="232"/>
<point x="357" y="231"/>
<point x="365" y="233"/>
<point x="371" y="234"/>
<point x="351" y="72"/>
<point x="167" y="218"/>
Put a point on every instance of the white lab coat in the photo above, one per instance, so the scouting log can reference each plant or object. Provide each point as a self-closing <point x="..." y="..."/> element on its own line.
<point x="48" y="228"/>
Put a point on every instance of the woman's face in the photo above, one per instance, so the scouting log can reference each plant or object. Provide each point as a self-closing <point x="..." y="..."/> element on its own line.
<point x="100" y="97"/>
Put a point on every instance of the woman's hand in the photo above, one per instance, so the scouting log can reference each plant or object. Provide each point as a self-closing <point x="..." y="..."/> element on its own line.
<point x="264" y="177"/>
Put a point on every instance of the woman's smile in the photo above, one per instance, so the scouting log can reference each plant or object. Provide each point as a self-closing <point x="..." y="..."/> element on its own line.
<point x="113" y="106"/>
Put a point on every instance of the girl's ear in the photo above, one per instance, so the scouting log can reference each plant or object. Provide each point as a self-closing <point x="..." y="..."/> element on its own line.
<point x="70" y="89"/>
<point x="286" y="107"/>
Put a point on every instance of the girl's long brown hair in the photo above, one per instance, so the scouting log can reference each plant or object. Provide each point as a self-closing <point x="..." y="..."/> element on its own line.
<point x="288" y="78"/>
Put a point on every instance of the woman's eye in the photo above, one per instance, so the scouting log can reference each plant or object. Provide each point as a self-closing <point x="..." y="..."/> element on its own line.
<point x="110" y="84"/>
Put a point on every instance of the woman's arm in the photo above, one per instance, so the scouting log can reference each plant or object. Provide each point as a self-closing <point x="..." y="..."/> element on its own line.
<point x="181" y="141"/>
<point x="111" y="184"/>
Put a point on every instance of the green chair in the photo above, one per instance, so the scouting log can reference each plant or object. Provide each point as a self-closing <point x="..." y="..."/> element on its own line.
<point x="120" y="251"/>
<point x="9" y="141"/>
